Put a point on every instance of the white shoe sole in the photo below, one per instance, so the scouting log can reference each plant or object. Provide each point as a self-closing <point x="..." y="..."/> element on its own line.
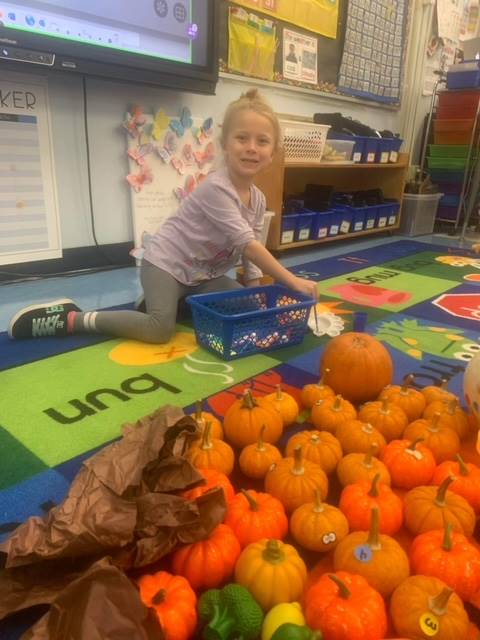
<point x="34" y="307"/>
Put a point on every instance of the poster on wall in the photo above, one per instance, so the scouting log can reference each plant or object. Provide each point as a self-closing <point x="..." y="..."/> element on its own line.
<point x="299" y="57"/>
<point x="169" y="155"/>
<point x="29" y="221"/>
<point x="252" y="44"/>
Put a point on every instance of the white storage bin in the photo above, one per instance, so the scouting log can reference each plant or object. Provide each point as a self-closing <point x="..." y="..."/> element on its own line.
<point x="303" y="141"/>
<point x="266" y="226"/>
<point x="418" y="213"/>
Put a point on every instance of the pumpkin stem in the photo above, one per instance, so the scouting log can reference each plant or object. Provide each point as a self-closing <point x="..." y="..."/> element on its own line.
<point x="260" y="443"/>
<point x="369" y="455"/>
<point x="298" y="468"/>
<point x="337" y="405"/>
<point x="318" y="508"/>
<point x="373" y="535"/>
<point x="252" y="503"/>
<point x="325" y="372"/>
<point x="462" y="466"/>
<point x="374" y="488"/>
<point x="433" y="426"/>
<point x="447" y="543"/>
<point x="248" y="400"/>
<point x="442" y="490"/>
<point x="414" y="443"/>
<point x="407" y="381"/>
<point x="279" y="392"/>
<point x="443" y="384"/>
<point x="385" y="406"/>
<point x="438" y="604"/>
<point x="315" y="438"/>
<point x="367" y="428"/>
<point x="159" y="597"/>
<point x="198" y="410"/>
<point x="206" y="438"/>
<point x="273" y="552"/>
<point x="452" y="406"/>
<point x="343" y="590"/>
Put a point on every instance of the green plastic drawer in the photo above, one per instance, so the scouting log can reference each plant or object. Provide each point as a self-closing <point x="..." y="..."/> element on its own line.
<point x="448" y="150"/>
<point x="446" y="163"/>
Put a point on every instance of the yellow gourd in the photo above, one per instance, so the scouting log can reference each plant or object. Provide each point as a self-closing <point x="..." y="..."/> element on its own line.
<point x="286" y="612"/>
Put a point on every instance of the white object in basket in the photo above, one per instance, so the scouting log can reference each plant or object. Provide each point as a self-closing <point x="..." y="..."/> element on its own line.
<point x="303" y="141"/>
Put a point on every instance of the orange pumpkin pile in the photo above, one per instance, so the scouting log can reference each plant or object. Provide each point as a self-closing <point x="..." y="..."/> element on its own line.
<point x="364" y="514"/>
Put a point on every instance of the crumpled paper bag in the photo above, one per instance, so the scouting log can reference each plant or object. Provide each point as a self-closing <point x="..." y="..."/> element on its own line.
<point x="123" y="504"/>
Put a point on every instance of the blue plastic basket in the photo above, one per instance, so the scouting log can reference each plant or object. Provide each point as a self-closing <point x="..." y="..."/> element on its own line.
<point x="242" y="322"/>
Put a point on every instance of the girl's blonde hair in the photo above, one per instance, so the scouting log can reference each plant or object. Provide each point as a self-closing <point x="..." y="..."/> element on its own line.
<point x="251" y="101"/>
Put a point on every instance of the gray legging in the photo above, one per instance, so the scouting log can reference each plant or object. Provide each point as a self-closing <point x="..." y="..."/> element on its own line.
<point x="162" y="295"/>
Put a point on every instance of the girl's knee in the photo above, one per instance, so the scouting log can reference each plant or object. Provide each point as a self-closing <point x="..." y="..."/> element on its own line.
<point x="158" y="333"/>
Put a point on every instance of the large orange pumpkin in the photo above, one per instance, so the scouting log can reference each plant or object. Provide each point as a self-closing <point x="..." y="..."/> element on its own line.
<point x="357" y="366"/>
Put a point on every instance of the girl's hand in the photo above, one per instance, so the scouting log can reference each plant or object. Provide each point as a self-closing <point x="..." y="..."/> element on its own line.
<point x="308" y="287"/>
<point x="476" y="247"/>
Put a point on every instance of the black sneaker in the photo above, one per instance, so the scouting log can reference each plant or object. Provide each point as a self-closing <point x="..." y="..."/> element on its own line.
<point x="38" y="320"/>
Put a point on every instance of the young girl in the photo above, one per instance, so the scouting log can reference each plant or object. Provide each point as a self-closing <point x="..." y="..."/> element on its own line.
<point x="192" y="251"/>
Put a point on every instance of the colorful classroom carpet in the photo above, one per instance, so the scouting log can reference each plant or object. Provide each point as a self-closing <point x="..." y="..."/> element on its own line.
<point x="64" y="399"/>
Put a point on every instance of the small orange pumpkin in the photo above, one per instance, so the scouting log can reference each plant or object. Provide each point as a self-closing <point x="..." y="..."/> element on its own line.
<point x="358" y="499"/>
<point x="285" y="404"/>
<point x="345" y="606"/>
<point x="320" y="447"/>
<point x="406" y="397"/>
<point x="356" y="436"/>
<point x="410" y="464"/>
<point x="208" y="563"/>
<point x="173" y="600"/>
<point x="428" y="508"/>
<point x="213" y="479"/>
<point x="256" y="459"/>
<point x="202" y="417"/>
<point x="312" y="393"/>
<point x="245" y="417"/>
<point x="466" y="480"/>
<point x="443" y="442"/>
<point x="385" y="416"/>
<point x="423" y="607"/>
<point x="451" y="415"/>
<point x="253" y="515"/>
<point x="432" y="393"/>
<point x="377" y="557"/>
<point x="358" y="365"/>
<point x="211" y="453"/>
<point x="295" y="480"/>
<point x="358" y="466"/>
<point x="272" y="571"/>
<point x="318" y="526"/>
<point x="449" y="556"/>
<point x="327" y="414"/>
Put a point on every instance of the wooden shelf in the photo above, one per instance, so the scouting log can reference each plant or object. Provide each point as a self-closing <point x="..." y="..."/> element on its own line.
<point x="340" y="236"/>
<point x="282" y="179"/>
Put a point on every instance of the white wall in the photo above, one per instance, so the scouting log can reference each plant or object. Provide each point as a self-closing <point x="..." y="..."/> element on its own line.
<point x="107" y="103"/>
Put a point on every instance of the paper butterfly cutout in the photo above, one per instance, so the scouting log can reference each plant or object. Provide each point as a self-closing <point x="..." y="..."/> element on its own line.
<point x="170" y="142"/>
<point x="178" y="165"/>
<point x="204" y="157"/>
<point x="138" y="154"/>
<point x="165" y="156"/>
<point x="160" y="123"/>
<point x="200" y="177"/>
<point x="135" y="119"/>
<point x="185" y="122"/>
<point x="187" y="155"/>
<point x="201" y="134"/>
<point x="181" y="193"/>
<point x="138" y="180"/>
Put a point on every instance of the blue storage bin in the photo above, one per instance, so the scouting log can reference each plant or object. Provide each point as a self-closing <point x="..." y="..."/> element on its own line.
<point x="289" y="228"/>
<point x="370" y="149"/>
<point x="241" y="322"/>
<point x="446" y="175"/>
<point x="370" y="217"/>
<point x="450" y="200"/>
<point x="465" y="75"/>
<point x="392" y="212"/>
<point x="335" y="221"/>
<point x="344" y="218"/>
<point x="358" y="218"/>
<point x="358" y="147"/>
<point x="383" y="212"/>
<point x="321" y="225"/>
<point x="304" y="226"/>
<point x="395" y="145"/>
<point x="384" y="146"/>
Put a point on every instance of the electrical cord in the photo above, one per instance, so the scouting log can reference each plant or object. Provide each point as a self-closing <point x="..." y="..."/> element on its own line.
<point x="28" y="277"/>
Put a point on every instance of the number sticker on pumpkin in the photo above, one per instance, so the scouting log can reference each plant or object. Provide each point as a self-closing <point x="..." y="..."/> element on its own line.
<point x="329" y="538"/>
<point x="363" y="553"/>
<point x="429" y="624"/>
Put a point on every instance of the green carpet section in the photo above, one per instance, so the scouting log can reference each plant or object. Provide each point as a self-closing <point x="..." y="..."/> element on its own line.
<point x="78" y="400"/>
<point x="428" y="263"/>
<point x="18" y="463"/>
<point x="385" y="288"/>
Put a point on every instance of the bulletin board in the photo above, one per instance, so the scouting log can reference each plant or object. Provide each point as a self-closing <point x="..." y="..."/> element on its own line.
<point x="168" y="157"/>
<point x="363" y="57"/>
